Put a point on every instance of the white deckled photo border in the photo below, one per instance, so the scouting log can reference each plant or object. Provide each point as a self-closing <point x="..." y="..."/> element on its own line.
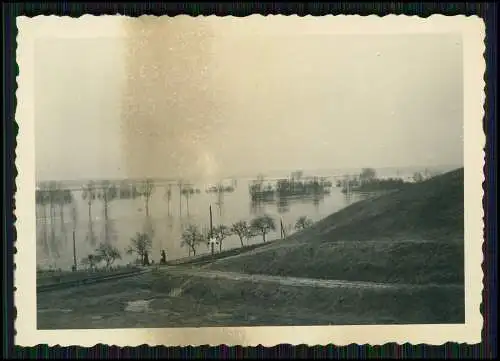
<point x="472" y="30"/>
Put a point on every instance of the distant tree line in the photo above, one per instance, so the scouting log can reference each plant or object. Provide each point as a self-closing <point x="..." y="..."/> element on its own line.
<point x="367" y="181"/>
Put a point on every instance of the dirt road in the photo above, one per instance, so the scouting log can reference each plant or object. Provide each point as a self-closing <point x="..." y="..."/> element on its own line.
<point x="291" y="281"/>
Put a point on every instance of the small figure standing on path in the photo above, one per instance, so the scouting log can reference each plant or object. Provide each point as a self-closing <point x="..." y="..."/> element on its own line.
<point x="163" y="257"/>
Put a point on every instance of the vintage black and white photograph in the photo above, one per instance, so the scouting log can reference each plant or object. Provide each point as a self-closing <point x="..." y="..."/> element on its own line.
<point x="263" y="171"/>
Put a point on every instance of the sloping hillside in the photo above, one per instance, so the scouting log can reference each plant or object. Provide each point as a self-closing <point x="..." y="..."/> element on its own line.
<point x="431" y="209"/>
<point x="411" y="236"/>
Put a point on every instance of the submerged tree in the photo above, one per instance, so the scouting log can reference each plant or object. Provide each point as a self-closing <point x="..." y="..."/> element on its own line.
<point x="168" y="196"/>
<point x="191" y="238"/>
<point x="64" y="198"/>
<point x="146" y="189"/>
<point x="107" y="193"/>
<point x="187" y="192"/>
<point x="263" y="225"/>
<point x="140" y="245"/>
<point x="220" y="198"/>
<point x="54" y="192"/>
<point x="303" y="222"/>
<point x="89" y="194"/>
<point x="242" y="230"/>
<point x="42" y="199"/>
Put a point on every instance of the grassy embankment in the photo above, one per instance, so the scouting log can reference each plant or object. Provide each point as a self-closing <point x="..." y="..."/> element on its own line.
<point x="410" y="236"/>
<point x="208" y="258"/>
<point x="179" y="302"/>
<point x="46" y="277"/>
<point x="374" y="240"/>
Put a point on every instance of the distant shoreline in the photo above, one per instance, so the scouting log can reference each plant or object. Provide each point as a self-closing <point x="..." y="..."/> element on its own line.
<point x="407" y="170"/>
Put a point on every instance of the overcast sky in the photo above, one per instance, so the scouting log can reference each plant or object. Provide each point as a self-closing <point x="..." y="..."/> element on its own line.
<point x="212" y="99"/>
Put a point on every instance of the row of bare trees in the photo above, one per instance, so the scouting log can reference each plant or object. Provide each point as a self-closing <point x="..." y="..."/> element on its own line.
<point x="53" y="197"/>
<point x="193" y="237"/>
<point x="106" y="253"/>
<point x="140" y="245"/>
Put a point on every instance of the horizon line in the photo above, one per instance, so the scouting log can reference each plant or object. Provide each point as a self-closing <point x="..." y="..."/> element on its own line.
<point x="255" y="174"/>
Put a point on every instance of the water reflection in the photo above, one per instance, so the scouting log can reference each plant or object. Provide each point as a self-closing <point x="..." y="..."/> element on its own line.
<point x="115" y="212"/>
<point x="284" y="204"/>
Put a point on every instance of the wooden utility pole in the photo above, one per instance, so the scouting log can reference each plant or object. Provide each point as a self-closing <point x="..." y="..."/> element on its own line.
<point x="180" y="198"/>
<point x="74" y="216"/>
<point x="211" y="231"/>
<point x="74" y="250"/>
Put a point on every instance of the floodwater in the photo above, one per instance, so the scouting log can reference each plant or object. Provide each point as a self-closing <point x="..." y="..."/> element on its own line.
<point x="169" y="218"/>
<point x="127" y="217"/>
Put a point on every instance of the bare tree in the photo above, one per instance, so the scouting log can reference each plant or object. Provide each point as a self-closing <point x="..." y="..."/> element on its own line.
<point x="303" y="223"/>
<point x="168" y="196"/>
<point x="367" y="175"/>
<point x="140" y="245"/>
<point x="147" y="188"/>
<point x="297" y="175"/>
<point x="61" y="201"/>
<point x="242" y="230"/>
<point x="220" y="233"/>
<point x="64" y="198"/>
<point x="263" y="225"/>
<point x="418" y="177"/>
<point x="91" y="261"/>
<point x="89" y="194"/>
<point x="53" y="198"/>
<point x="108" y="253"/>
<point x="191" y="238"/>
<point x="220" y="197"/>
<point x="187" y="192"/>
<point x="107" y="193"/>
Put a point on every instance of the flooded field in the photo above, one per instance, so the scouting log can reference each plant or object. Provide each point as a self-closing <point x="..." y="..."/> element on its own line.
<point x="171" y="208"/>
<point x="168" y="217"/>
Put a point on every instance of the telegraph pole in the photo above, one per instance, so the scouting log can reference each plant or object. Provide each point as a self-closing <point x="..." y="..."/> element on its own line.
<point x="74" y="216"/>
<point x="211" y="232"/>
<point x="74" y="250"/>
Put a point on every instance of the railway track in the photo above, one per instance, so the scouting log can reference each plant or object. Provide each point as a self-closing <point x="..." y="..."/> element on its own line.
<point x="86" y="281"/>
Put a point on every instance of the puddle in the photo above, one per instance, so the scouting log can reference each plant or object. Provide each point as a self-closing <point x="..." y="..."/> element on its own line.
<point x="62" y="310"/>
<point x="95" y="318"/>
<point x="138" y="306"/>
<point x="176" y="292"/>
<point x="222" y="315"/>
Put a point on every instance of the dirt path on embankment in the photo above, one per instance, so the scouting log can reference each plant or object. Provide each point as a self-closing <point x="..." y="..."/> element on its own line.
<point x="293" y="281"/>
